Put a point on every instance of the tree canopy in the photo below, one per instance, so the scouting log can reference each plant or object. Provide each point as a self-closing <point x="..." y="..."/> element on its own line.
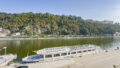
<point x="46" y="23"/>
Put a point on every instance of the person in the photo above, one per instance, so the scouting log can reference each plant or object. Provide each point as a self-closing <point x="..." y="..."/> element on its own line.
<point x="106" y="50"/>
<point x="114" y="66"/>
<point x="117" y="48"/>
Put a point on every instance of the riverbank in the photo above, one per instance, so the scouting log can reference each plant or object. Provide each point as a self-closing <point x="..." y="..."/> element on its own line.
<point x="30" y="38"/>
<point x="100" y="60"/>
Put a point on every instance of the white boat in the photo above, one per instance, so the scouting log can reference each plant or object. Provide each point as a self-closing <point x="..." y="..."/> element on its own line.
<point x="56" y="53"/>
<point x="33" y="58"/>
<point x="5" y="59"/>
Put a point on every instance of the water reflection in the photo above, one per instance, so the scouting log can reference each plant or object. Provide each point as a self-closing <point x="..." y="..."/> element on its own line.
<point x="22" y="47"/>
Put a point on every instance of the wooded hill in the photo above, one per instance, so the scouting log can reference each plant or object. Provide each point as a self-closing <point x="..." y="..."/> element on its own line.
<point x="45" y="23"/>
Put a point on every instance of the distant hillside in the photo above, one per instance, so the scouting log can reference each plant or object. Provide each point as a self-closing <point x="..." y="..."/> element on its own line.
<point x="39" y="23"/>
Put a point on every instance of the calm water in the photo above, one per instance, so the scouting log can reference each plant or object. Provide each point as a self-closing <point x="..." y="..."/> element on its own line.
<point x="24" y="47"/>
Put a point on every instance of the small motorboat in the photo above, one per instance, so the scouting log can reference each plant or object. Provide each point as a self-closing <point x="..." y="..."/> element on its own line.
<point x="33" y="58"/>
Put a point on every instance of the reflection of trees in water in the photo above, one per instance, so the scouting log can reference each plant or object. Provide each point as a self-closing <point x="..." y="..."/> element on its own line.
<point x="22" y="47"/>
<point x="109" y="43"/>
<point x="3" y="43"/>
<point x="114" y="44"/>
<point x="17" y="42"/>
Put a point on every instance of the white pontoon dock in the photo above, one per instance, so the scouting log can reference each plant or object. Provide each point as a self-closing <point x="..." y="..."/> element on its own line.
<point x="56" y="53"/>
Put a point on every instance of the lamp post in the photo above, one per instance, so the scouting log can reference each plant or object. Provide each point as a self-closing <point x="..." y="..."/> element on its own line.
<point x="5" y="53"/>
<point x="0" y="49"/>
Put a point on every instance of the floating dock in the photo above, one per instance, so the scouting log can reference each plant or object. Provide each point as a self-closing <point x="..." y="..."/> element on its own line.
<point x="56" y="53"/>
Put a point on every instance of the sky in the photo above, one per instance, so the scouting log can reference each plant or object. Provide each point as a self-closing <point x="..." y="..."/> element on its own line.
<point x="87" y="9"/>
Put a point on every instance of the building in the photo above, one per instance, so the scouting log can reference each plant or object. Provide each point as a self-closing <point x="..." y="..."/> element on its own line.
<point x="2" y="34"/>
<point x="117" y="34"/>
<point x="16" y="34"/>
<point x="0" y="28"/>
<point x="107" y="22"/>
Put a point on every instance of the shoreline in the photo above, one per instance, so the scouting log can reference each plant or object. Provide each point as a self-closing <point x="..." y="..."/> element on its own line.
<point x="99" y="60"/>
<point x="51" y="38"/>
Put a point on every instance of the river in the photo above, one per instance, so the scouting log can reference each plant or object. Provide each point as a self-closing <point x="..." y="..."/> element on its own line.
<point x="26" y="47"/>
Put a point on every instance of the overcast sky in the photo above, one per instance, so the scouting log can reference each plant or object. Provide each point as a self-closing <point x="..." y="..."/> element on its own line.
<point x="87" y="9"/>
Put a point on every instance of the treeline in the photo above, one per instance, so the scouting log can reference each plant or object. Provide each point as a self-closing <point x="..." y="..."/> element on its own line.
<point x="39" y="23"/>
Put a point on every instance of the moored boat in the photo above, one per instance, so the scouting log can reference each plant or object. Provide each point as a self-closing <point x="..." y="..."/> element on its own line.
<point x="56" y="53"/>
<point x="5" y="59"/>
<point x="33" y="58"/>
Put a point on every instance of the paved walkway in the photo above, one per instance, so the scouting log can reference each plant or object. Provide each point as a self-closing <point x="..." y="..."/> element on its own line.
<point x="101" y="60"/>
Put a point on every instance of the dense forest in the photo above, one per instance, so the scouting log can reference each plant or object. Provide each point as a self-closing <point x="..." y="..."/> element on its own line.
<point x="46" y="23"/>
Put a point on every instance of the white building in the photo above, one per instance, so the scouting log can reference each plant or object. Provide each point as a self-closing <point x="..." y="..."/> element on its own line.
<point x="117" y="34"/>
<point x="107" y="22"/>
<point x="0" y="28"/>
<point x="2" y="35"/>
<point x="16" y="34"/>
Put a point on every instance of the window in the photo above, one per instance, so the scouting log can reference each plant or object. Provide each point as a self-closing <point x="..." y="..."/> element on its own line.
<point x="85" y="51"/>
<point x="56" y="55"/>
<point x="48" y="56"/>
<point x="73" y="52"/>
<point x="64" y="54"/>
<point x="79" y="52"/>
<point x="89" y="50"/>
